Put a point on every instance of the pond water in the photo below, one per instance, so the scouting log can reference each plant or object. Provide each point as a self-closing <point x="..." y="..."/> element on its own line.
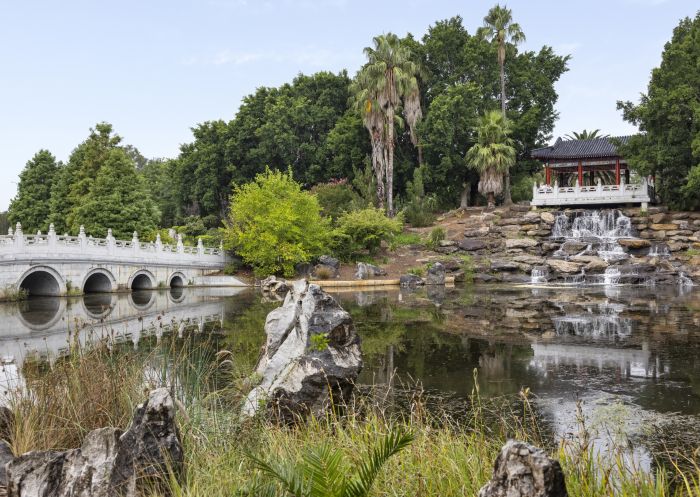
<point x="630" y="354"/>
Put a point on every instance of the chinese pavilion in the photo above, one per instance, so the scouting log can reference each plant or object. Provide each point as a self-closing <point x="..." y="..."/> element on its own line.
<point x="588" y="172"/>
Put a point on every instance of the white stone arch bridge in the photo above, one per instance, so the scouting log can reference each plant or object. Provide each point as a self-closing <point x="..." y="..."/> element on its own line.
<point x="53" y="265"/>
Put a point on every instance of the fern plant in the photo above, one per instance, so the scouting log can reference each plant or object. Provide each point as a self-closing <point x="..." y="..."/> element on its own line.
<point x="324" y="472"/>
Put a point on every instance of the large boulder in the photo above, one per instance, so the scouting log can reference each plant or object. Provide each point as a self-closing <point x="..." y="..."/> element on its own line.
<point x="522" y="470"/>
<point x="272" y="285"/>
<point x="436" y="274"/>
<point x="471" y="244"/>
<point x="109" y="462"/>
<point x="366" y="271"/>
<point x="327" y="264"/>
<point x="561" y="266"/>
<point x="311" y="357"/>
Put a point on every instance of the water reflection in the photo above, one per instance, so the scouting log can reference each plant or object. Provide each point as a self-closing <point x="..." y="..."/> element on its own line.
<point x="636" y="345"/>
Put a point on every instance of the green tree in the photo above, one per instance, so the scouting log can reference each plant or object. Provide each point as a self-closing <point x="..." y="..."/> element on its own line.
<point x="387" y="80"/>
<point x="500" y="29"/>
<point x="585" y="135"/>
<point x="31" y="205"/>
<point x="492" y="155"/>
<point x="669" y="117"/>
<point x="118" y="199"/>
<point x="160" y="179"/>
<point x="274" y="225"/>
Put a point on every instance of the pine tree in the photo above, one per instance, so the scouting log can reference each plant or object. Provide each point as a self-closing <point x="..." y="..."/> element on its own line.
<point x="118" y="199"/>
<point x="31" y="205"/>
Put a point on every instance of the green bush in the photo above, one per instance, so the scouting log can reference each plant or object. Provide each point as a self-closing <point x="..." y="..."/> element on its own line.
<point x="274" y="225"/>
<point x="418" y="208"/>
<point x="364" y="230"/>
<point x="437" y="235"/>
<point x="336" y="198"/>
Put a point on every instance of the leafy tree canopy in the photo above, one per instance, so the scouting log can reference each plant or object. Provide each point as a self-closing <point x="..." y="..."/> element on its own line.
<point x="669" y="117"/>
<point x="274" y="225"/>
<point x="31" y="205"/>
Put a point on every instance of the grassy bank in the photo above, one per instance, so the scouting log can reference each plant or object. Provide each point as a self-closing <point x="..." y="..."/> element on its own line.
<point x="452" y="453"/>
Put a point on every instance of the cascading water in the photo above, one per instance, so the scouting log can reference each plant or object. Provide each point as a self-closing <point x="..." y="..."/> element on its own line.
<point x="538" y="275"/>
<point x="611" y="276"/>
<point x="659" y="250"/>
<point x="603" y="320"/>
<point x="602" y="229"/>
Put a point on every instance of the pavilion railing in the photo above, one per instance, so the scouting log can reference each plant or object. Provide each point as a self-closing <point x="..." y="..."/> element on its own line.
<point x="642" y="193"/>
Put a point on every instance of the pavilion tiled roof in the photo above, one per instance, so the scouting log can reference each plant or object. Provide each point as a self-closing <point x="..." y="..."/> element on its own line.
<point x="580" y="149"/>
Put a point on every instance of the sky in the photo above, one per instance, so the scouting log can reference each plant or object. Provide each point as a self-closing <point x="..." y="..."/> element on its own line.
<point x="156" y="68"/>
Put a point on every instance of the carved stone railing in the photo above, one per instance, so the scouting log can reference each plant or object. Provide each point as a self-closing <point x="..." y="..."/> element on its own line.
<point x="17" y="245"/>
<point x="643" y="193"/>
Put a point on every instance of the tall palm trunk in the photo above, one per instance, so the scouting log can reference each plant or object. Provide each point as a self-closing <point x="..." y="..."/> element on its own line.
<point x="390" y="162"/>
<point x="464" y="198"/>
<point x="378" y="166"/>
<point x="501" y="62"/>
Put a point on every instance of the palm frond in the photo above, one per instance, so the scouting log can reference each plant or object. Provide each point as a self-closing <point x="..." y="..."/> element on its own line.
<point x="286" y="475"/>
<point x="323" y="469"/>
<point x="393" y="443"/>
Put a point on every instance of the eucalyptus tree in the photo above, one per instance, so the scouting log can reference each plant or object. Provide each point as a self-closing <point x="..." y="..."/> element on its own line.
<point x="492" y="155"/>
<point x="500" y="29"/>
<point x="387" y="81"/>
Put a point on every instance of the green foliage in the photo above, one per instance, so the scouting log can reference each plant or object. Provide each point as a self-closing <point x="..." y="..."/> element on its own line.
<point x="419" y="209"/>
<point x="336" y="198"/>
<point x="274" y="225"/>
<point x="493" y="154"/>
<point x="669" y="117"/>
<point x="160" y="179"/>
<point x="13" y="294"/>
<point x="418" y="271"/>
<point x="365" y="230"/>
<point x="467" y="265"/>
<point x="437" y="235"/>
<point x="522" y="188"/>
<point x="323" y="471"/>
<point x="319" y="342"/>
<point x="118" y="199"/>
<point x="585" y="135"/>
<point x="31" y="205"/>
<point x="405" y="239"/>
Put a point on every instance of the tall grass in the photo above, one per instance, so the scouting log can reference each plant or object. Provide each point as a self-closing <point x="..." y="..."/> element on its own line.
<point x="452" y="453"/>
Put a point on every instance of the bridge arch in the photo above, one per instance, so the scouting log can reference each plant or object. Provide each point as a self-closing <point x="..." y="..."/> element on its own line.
<point x="142" y="279"/>
<point x="99" y="280"/>
<point x="42" y="281"/>
<point x="142" y="300"/>
<point x="177" y="280"/>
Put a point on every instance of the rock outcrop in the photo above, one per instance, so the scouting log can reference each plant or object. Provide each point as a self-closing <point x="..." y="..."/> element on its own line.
<point x="410" y="281"/>
<point x="329" y="264"/>
<point x="311" y="358"/>
<point x="522" y="470"/>
<point x="109" y="462"/>
<point x="272" y="285"/>
<point x="436" y="274"/>
<point x="366" y="271"/>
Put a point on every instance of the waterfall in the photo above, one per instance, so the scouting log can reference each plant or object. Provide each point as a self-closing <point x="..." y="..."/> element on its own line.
<point x="602" y="321"/>
<point x="684" y="281"/>
<point x="538" y="275"/>
<point x="602" y="228"/>
<point x="659" y="250"/>
<point x="611" y="276"/>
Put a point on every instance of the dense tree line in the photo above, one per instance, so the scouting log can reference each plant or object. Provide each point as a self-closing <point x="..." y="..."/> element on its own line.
<point x="314" y="127"/>
<point x="669" y="117"/>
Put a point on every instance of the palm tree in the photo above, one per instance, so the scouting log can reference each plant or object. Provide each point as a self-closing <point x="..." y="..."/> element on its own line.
<point x="492" y="155"/>
<point x="323" y="472"/>
<point x="585" y="135"/>
<point x="500" y="29"/>
<point x="387" y="79"/>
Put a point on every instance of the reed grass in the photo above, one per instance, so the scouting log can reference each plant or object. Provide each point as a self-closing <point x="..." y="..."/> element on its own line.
<point x="452" y="452"/>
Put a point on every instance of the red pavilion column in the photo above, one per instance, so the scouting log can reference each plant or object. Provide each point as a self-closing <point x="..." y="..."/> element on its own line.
<point x="580" y="173"/>
<point x="617" y="172"/>
<point x="547" y="174"/>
